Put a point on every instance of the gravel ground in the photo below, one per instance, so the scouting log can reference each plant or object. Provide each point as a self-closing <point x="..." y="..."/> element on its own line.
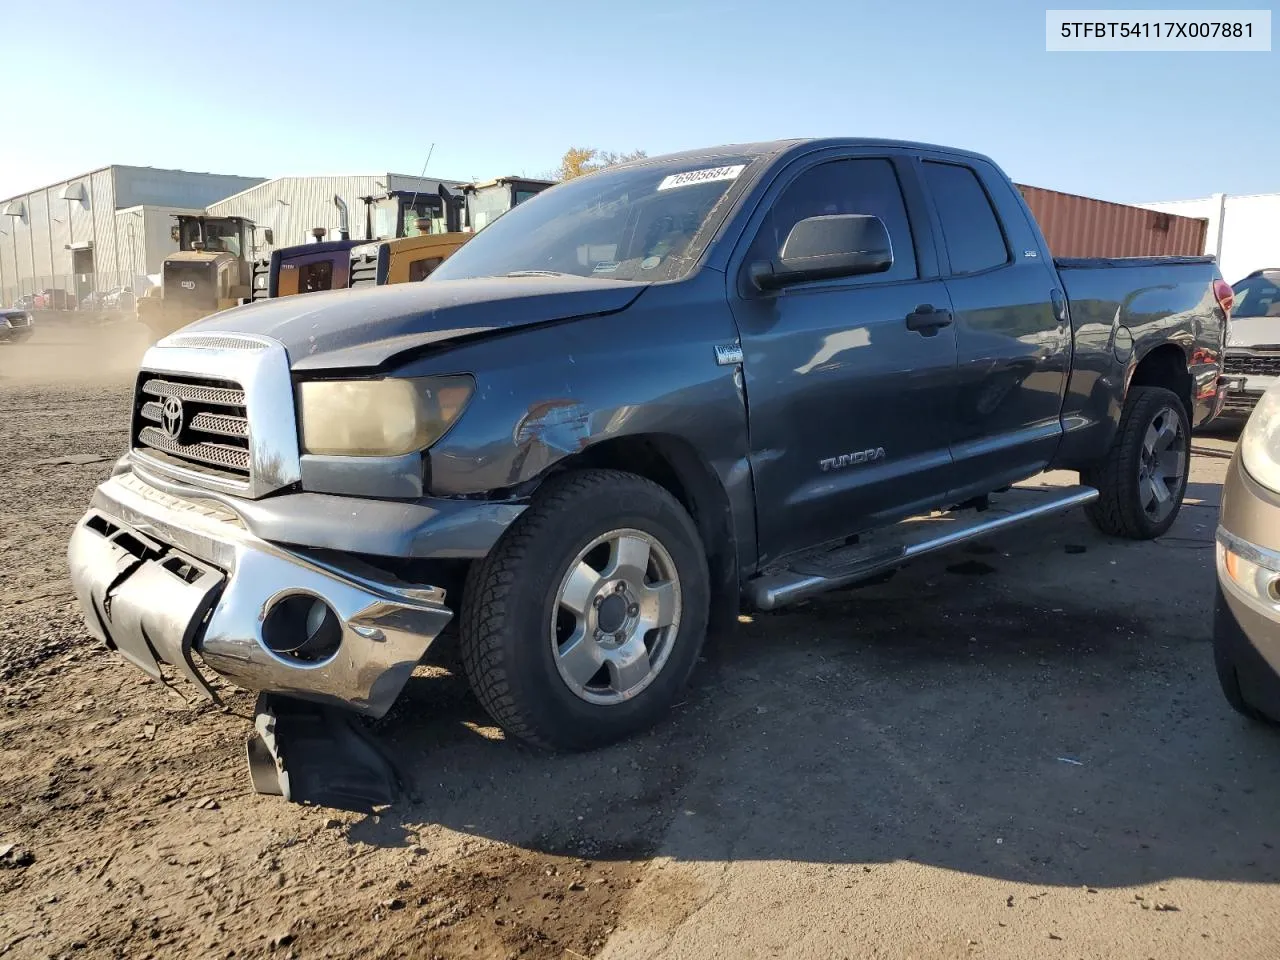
<point x="1017" y="750"/>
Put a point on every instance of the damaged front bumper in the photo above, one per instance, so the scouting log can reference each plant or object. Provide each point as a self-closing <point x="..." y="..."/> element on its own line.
<point x="164" y="579"/>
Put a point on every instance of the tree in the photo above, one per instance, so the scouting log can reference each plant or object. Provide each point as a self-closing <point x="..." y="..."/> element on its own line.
<point x="578" y="161"/>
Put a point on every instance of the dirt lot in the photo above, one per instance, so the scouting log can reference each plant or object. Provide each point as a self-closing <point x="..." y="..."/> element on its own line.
<point x="1013" y="751"/>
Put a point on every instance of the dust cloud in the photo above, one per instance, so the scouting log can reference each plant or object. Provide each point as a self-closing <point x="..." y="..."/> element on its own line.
<point x="75" y="352"/>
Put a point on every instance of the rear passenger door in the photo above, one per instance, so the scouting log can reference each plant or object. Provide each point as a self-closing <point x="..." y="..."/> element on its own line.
<point x="851" y="410"/>
<point x="1013" y="335"/>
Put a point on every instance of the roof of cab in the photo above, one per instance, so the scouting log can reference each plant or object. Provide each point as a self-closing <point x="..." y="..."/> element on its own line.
<point x="778" y="147"/>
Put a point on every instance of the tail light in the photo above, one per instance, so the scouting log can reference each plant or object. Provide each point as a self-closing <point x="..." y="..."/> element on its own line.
<point x="1225" y="296"/>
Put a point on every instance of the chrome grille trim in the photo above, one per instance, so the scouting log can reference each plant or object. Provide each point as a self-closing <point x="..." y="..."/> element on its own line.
<point x="265" y="383"/>
<point x="214" y="454"/>
<point x="1252" y="365"/>
<point x="188" y="444"/>
<point x="223" y="396"/>
<point x="206" y="341"/>
<point x="219" y="423"/>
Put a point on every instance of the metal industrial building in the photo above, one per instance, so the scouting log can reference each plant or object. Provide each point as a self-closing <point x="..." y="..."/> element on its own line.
<point x="107" y="228"/>
<point x="292" y="210"/>
<point x="1243" y="233"/>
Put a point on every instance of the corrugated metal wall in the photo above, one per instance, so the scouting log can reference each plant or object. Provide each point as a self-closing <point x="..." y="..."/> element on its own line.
<point x="1077" y="226"/>
<point x="105" y="257"/>
<point x="33" y="248"/>
<point x="292" y="206"/>
<point x="175" y="188"/>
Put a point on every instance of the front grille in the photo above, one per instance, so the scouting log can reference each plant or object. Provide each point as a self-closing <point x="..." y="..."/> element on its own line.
<point x="370" y="268"/>
<point x="1241" y="402"/>
<point x="1252" y="365"/>
<point x="261" y="279"/>
<point x="18" y="319"/>
<point x="191" y="284"/>
<point x="364" y="271"/>
<point x="209" y="430"/>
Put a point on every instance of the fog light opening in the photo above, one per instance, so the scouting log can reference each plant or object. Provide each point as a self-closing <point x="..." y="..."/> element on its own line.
<point x="302" y="627"/>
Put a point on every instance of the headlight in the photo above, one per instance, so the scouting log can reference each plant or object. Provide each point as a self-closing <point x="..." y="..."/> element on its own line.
<point x="260" y="282"/>
<point x="1260" y="441"/>
<point x="365" y="250"/>
<point x="379" y="418"/>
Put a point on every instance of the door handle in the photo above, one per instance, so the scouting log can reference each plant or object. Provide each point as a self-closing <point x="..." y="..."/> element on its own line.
<point x="1059" y="306"/>
<point x="928" y="320"/>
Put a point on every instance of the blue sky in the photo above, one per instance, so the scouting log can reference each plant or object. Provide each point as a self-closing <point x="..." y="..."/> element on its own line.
<point x="280" y="88"/>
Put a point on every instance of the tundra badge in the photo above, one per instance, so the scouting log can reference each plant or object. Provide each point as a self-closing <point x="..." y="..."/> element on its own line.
<point x="855" y="459"/>
<point x="728" y="354"/>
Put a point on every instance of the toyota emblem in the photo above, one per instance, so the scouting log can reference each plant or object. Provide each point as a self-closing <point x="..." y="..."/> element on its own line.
<point x="171" y="417"/>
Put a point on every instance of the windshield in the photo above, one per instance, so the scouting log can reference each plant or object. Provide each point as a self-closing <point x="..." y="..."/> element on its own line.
<point x="429" y="208"/>
<point x="488" y="204"/>
<point x="641" y="223"/>
<point x="218" y="235"/>
<point x="1257" y="297"/>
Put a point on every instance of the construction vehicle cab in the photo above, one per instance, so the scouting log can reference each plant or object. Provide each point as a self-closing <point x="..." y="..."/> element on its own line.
<point x="487" y="201"/>
<point x="432" y="228"/>
<point x="208" y="273"/>
<point x="416" y="232"/>
<point x="307" y="267"/>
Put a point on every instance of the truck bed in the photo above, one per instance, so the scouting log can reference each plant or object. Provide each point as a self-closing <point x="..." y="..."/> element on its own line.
<point x="1088" y="263"/>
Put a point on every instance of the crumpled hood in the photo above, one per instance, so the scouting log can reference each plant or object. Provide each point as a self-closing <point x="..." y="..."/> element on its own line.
<point x="1254" y="332"/>
<point x="365" y="327"/>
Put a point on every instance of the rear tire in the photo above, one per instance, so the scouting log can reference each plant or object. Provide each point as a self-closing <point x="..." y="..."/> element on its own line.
<point x="1143" y="478"/>
<point x="604" y="570"/>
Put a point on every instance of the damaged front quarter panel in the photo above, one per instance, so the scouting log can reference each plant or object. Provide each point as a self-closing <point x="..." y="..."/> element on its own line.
<point x="546" y="396"/>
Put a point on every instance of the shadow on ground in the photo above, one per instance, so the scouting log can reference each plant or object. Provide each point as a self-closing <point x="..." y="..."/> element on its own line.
<point x="1042" y="709"/>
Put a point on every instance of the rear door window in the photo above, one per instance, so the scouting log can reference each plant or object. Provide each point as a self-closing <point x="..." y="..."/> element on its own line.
<point x="867" y="186"/>
<point x="970" y="227"/>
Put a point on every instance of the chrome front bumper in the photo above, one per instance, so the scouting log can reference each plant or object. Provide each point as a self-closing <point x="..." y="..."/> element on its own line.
<point x="162" y="579"/>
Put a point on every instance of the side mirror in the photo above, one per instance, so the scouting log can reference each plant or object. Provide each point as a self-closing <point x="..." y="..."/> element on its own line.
<point x="269" y="236"/>
<point x="827" y="248"/>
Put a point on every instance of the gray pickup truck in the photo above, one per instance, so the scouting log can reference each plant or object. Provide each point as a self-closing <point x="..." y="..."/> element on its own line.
<point x="1251" y="360"/>
<point x="629" y="408"/>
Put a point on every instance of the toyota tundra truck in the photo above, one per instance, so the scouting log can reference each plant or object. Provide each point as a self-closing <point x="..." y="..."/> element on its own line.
<point x="633" y="406"/>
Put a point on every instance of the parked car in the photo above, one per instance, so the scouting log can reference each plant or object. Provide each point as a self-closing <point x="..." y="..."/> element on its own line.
<point x="1252" y="361"/>
<point x="119" y="298"/>
<point x="631" y="405"/>
<point x="15" y="325"/>
<point x="1246" y="634"/>
<point x="55" y="298"/>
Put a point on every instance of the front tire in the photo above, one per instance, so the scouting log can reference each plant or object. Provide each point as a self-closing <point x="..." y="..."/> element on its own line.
<point x="1229" y="680"/>
<point x="584" y="622"/>
<point x="1143" y="478"/>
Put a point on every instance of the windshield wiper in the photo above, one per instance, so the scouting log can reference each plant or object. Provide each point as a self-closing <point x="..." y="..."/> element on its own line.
<point x="537" y="273"/>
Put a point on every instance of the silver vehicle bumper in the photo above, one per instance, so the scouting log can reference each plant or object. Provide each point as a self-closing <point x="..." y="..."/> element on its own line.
<point x="163" y="579"/>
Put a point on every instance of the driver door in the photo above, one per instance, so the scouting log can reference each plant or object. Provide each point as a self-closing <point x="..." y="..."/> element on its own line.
<point x="851" y="410"/>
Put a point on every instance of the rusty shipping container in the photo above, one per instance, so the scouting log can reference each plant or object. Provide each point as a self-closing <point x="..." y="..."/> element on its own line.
<point x="1077" y="226"/>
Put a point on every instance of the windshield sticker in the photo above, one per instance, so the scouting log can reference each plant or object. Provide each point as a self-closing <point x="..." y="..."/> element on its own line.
<point x="648" y="263"/>
<point x="605" y="266"/>
<point x="690" y="177"/>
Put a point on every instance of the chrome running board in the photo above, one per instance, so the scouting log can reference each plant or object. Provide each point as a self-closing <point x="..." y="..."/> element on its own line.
<point x="889" y="547"/>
